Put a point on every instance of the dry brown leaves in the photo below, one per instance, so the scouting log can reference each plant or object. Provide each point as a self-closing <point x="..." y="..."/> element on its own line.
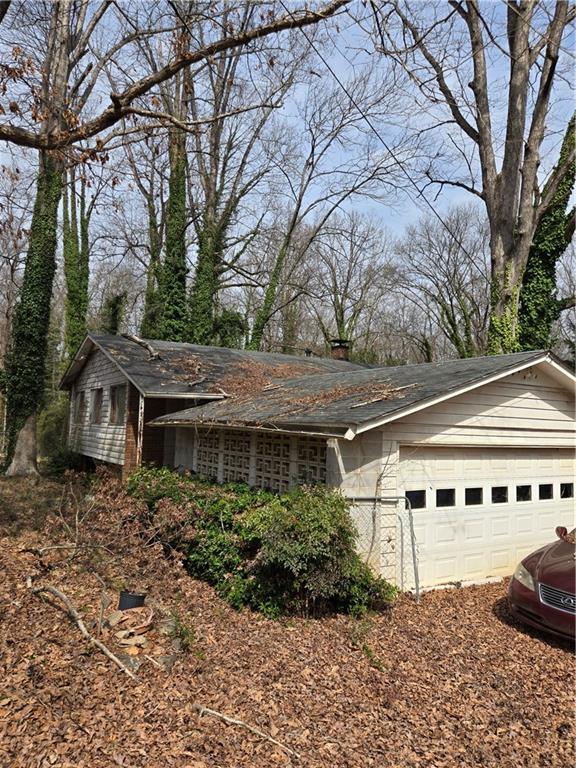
<point x="452" y="682"/>
<point x="250" y="376"/>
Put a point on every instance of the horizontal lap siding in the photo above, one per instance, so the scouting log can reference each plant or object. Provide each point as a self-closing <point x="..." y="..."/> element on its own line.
<point x="104" y="441"/>
<point x="527" y="409"/>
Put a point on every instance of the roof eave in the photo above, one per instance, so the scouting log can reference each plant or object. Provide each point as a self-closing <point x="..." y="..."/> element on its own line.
<point x="543" y="357"/>
<point x="314" y="432"/>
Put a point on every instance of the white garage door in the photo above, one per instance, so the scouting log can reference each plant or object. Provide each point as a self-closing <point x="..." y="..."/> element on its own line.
<point x="478" y="512"/>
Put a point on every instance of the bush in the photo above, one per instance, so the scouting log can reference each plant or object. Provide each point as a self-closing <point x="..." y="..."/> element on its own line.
<point x="53" y="426"/>
<point x="63" y="460"/>
<point x="277" y="553"/>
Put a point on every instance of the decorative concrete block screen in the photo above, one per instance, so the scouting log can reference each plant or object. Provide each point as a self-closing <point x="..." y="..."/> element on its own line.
<point x="208" y="456"/>
<point x="261" y="459"/>
<point x="236" y="456"/>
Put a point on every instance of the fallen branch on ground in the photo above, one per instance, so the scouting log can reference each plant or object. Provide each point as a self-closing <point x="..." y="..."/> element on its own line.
<point x="234" y="721"/>
<point x="75" y="616"/>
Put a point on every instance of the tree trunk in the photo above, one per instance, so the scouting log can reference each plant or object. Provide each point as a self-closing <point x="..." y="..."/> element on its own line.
<point x="152" y="299"/>
<point x="76" y="265"/>
<point x="265" y="312"/>
<point x="206" y="281"/>
<point x="506" y="281"/>
<point x="173" y="324"/>
<point x="26" y="358"/>
<point x="24" y="459"/>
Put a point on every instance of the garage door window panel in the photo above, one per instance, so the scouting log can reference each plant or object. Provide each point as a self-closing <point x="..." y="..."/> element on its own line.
<point x="566" y="490"/>
<point x="523" y="493"/>
<point x="473" y="496"/>
<point x="499" y="494"/>
<point x="545" y="491"/>
<point x="446" y="497"/>
<point x="417" y="499"/>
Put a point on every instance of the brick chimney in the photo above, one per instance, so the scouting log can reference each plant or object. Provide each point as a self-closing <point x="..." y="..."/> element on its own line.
<point x="339" y="349"/>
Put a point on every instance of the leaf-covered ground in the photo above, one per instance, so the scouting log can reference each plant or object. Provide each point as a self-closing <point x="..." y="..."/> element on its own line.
<point x="450" y="682"/>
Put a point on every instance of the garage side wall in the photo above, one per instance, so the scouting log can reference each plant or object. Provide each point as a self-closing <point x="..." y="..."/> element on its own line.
<point x="366" y="470"/>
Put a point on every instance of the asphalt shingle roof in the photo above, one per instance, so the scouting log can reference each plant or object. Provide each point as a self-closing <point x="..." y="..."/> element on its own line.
<point x="348" y="399"/>
<point x="189" y="369"/>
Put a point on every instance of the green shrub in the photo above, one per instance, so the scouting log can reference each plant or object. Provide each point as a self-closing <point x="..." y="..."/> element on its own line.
<point x="53" y="427"/>
<point x="277" y="553"/>
<point x="63" y="460"/>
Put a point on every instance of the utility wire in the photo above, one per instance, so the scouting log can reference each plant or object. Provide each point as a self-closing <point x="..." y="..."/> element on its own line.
<point x="379" y="136"/>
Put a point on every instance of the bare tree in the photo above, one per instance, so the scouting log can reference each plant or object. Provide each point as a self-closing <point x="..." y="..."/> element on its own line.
<point x="325" y="162"/>
<point x="444" y="271"/>
<point x="351" y="275"/>
<point x="449" y="51"/>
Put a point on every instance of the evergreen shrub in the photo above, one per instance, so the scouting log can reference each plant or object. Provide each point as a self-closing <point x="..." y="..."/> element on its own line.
<point x="289" y="553"/>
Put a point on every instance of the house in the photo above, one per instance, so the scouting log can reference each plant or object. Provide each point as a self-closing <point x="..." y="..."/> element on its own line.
<point x="482" y="449"/>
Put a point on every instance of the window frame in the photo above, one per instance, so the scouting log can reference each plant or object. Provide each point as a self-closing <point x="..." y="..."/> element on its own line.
<point x="79" y="406"/>
<point x="96" y="405"/>
<point x="116" y="416"/>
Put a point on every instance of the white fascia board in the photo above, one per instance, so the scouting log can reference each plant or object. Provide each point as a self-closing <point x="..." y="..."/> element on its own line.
<point x="242" y="428"/>
<point x="185" y="395"/>
<point x="423" y="404"/>
<point x="560" y="372"/>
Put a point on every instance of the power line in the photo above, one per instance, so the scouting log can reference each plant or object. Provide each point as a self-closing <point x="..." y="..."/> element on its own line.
<point x="379" y="136"/>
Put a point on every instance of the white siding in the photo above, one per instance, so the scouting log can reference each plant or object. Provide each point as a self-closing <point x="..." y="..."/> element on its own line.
<point x="526" y="409"/>
<point x="366" y="468"/>
<point x="103" y="441"/>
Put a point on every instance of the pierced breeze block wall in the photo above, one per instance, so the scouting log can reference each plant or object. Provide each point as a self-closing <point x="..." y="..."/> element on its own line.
<point x="261" y="459"/>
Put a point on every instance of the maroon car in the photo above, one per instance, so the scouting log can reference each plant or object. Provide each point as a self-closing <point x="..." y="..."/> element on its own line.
<point x="542" y="590"/>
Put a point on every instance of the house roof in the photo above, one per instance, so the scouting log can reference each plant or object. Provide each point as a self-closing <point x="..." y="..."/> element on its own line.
<point x="189" y="370"/>
<point x="355" y="400"/>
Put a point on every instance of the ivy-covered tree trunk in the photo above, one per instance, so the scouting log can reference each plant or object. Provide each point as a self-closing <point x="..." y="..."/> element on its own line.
<point x="113" y="313"/>
<point x="173" y="323"/>
<point x="26" y="358"/>
<point x="507" y="269"/>
<point x="539" y="304"/>
<point x="152" y="300"/>
<point x="76" y="265"/>
<point x="265" y="312"/>
<point x="206" y="280"/>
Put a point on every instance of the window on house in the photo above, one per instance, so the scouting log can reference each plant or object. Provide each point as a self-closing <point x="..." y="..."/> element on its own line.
<point x="499" y="494"/>
<point x="566" y="490"/>
<point x="523" y="492"/>
<point x="473" y="496"/>
<point x="118" y="404"/>
<point x="446" y="497"/>
<point x="79" y="407"/>
<point x="545" y="491"/>
<point x="417" y="499"/>
<point x="96" y="409"/>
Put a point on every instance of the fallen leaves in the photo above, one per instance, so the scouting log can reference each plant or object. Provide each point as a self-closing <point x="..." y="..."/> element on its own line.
<point x="458" y="684"/>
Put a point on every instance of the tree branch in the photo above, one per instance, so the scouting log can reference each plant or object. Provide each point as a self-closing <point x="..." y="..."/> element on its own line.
<point x="121" y="102"/>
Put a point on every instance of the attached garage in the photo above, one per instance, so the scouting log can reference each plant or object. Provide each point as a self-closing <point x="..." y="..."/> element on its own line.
<point x="477" y="512"/>
<point x="488" y="467"/>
